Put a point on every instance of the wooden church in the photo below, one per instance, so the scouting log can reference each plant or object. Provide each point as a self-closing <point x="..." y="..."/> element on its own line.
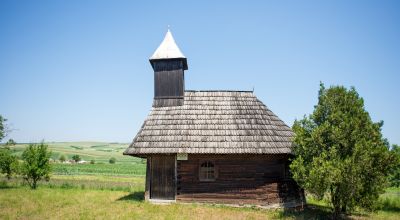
<point x="219" y="146"/>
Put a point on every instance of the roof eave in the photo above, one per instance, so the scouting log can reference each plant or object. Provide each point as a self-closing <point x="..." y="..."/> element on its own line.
<point x="184" y="60"/>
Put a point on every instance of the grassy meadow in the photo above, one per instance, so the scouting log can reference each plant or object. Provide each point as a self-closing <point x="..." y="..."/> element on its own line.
<point x="116" y="191"/>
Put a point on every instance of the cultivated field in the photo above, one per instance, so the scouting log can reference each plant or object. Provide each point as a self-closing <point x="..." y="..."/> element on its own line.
<point x="115" y="191"/>
<point x="98" y="151"/>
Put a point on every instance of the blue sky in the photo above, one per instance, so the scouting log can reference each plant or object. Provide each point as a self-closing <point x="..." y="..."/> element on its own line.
<point x="79" y="70"/>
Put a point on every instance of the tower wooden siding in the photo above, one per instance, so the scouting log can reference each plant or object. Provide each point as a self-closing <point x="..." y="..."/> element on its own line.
<point x="169" y="83"/>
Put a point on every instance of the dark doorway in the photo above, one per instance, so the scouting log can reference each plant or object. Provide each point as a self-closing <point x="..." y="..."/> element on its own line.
<point x="162" y="184"/>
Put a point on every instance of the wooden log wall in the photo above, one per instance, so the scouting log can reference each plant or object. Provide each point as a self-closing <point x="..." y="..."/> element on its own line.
<point x="248" y="179"/>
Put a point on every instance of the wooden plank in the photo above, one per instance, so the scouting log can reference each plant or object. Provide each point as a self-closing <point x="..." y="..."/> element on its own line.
<point x="169" y="83"/>
<point x="162" y="177"/>
<point x="251" y="179"/>
<point x="148" y="179"/>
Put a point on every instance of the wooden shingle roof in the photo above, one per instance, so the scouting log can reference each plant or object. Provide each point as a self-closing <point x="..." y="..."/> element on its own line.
<point x="213" y="122"/>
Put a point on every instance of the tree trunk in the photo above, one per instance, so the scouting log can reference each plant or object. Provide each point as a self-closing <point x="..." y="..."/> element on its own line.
<point x="336" y="211"/>
<point x="336" y="204"/>
<point x="344" y="209"/>
<point x="34" y="184"/>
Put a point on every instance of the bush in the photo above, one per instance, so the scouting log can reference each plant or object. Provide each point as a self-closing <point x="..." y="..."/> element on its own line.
<point x="76" y="158"/>
<point x="11" y="142"/>
<point x="36" y="164"/>
<point x="62" y="158"/>
<point x="92" y="162"/>
<point x="8" y="162"/>
<point x="112" y="160"/>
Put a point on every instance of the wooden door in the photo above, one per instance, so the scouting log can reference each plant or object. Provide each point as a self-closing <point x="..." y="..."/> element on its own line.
<point x="162" y="184"/>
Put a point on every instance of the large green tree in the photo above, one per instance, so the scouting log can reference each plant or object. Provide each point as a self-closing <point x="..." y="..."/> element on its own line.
<point x="340" y="153"/>
<point x="36" y="164"/>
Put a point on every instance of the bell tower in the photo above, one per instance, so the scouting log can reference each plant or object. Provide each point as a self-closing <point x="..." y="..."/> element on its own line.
<point x="169" y="64"/>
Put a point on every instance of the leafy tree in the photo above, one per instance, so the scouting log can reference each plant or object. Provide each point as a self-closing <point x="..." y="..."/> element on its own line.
<point x="62" y="158"/>
<point x="394" y="177"/>
<point x="8" y="162"/>
<point x="76" y="158"/>
<point x="36" y="164"/>
<point x="112" y="160"/>
<point x="340" y="152"/>
<point x="11" y="142"/>
<point x="3" y="129"/>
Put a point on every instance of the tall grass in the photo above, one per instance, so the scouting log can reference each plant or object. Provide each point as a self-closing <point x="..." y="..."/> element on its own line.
<point x="115" y="183"/>
<point x="390" y="200"/>
<point x="133" y="169"/>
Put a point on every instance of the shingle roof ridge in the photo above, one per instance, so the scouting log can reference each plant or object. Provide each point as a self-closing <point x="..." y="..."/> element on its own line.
<point x="220" y="90"/>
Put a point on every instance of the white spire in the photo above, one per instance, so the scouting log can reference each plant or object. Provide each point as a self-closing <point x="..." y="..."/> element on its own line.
<point x="167" y="49"/>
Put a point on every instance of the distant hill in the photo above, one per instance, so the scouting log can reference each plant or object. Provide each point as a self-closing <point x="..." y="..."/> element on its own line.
<point x="101" y="152"/>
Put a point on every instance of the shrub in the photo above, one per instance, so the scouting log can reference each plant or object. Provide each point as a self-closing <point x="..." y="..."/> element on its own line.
<point x="112" y="160"/>
<point x="92" y="162"/>
<point x="62" y="158"/>
<point x="11" y="142"/>
<point x="8" y="162"/>
<point x="76" y="158"/>
<point x="36" y="164"/>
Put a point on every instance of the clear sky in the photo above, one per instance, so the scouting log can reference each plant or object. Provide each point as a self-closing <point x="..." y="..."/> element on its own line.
<point x="79" y="70"/>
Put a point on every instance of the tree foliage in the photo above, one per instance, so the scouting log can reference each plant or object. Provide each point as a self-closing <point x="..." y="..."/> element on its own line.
<point x="62" y="158"/>
<point x="11" y="142"/>
<point x="394" y="177"/>
<point x="340" y="153"/>
<point x="2" y="127"/>
<point x="36" y="164"/>
<point x="76" y="158"/>
<point x="112" y="160"/>
<point x="8" y="162"/>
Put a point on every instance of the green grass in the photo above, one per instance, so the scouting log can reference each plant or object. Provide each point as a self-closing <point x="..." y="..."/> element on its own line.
<point x="121" y="197"/>
<point x="113" y="183"/>
<point x="51" y="203"/>
<point x="120" y="169"/>
<point x="388" y="206"/>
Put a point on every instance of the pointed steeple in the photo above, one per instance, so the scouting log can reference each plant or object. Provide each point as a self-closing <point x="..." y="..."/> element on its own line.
<point x="169" y="65"/>
<point x="168" y="50"/>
